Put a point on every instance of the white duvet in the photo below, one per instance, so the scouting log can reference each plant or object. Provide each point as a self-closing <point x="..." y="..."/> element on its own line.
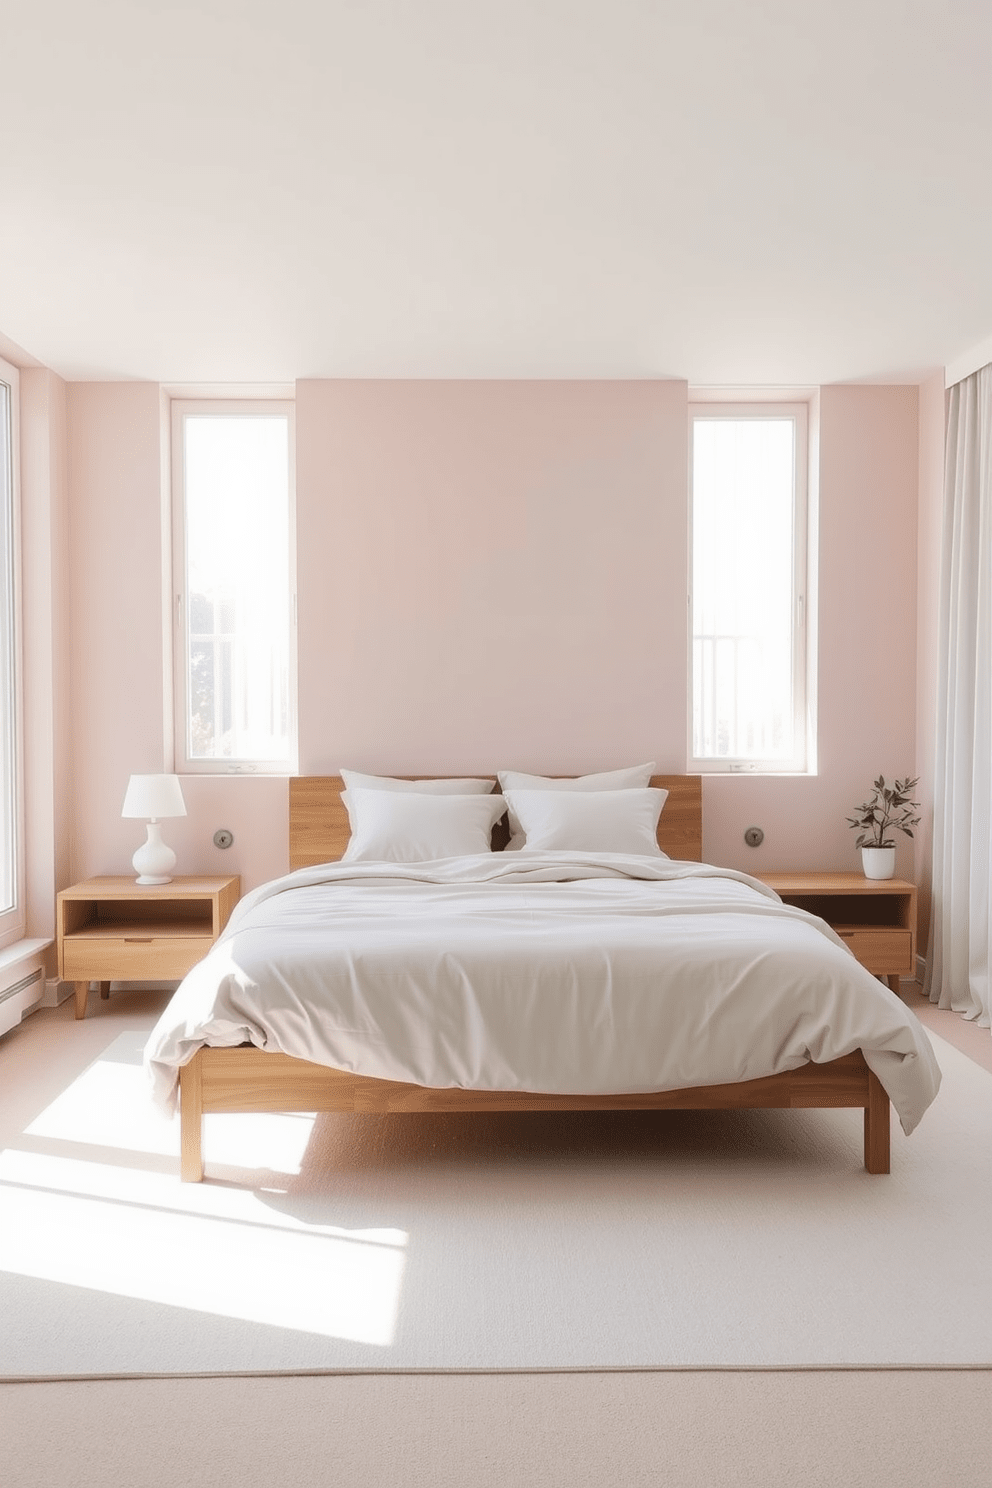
<point x="561" y="972"/>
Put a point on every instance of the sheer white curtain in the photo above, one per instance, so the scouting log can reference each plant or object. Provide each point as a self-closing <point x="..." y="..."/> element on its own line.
<point x="960" y="950"/>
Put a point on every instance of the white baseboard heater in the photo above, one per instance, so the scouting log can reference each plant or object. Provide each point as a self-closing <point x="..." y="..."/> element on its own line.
<point x="22" y="984"/>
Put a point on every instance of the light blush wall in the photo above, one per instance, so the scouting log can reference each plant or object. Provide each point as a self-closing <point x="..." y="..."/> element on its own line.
<point x="488" y="573"/>
<point x="114" y="599"/>
<point x="931" y="510"/>
<point x="254" y="809"/>
<point x="45" y="573"/>
<point x="491" y="574"/>
<point x="869" y="450"/>
<point x="120" y="724"/>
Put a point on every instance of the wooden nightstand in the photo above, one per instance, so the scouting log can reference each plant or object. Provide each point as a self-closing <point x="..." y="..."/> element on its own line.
<point x="877" y="917"/>
<point x="113" y="929"/>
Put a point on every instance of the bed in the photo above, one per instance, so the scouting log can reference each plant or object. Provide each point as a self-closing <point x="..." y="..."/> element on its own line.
<point x="239" y="1075"/>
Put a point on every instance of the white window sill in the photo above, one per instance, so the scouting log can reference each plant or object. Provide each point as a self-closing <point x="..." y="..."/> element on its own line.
<point x="21" y="950"/>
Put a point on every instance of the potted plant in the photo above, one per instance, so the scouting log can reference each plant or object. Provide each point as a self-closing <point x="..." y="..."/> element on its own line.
<point x="889" y="809"/>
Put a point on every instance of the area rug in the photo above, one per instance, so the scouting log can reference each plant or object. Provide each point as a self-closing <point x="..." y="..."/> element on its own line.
<point x="490" y="1242"/>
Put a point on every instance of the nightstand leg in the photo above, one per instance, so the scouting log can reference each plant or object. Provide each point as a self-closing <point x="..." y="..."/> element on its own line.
<point x="81" y="990"/>
<point x="105" y="990"/>
<point x="893" y="978"/>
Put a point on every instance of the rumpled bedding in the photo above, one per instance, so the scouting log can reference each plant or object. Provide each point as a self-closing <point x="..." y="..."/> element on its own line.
<point x="554" y="972"/>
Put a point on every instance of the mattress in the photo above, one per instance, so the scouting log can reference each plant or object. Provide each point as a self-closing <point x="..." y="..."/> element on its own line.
<point x="555" y="973"/>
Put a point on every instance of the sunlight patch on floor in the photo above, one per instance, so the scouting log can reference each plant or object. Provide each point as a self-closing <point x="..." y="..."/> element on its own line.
<point x="86" y="1200"/>
<point x="269" y="1204"/>
<point x="109" y="1106"/>
<point x="61" y="1221"/>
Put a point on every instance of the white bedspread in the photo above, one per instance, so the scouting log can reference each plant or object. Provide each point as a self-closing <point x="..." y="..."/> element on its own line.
<point x="558" y="973"/>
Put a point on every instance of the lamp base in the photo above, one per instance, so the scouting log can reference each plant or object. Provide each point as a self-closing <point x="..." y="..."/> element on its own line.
<point x="154" y="860"/>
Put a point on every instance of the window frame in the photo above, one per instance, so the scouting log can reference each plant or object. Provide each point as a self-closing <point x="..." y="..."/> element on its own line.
<point x="802" y="760"/>
<point x="13" y="920"/>
<point x="180" y="409"/>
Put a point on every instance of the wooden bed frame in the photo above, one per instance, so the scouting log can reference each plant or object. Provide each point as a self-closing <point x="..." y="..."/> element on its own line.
<point x="249" y="1079"/>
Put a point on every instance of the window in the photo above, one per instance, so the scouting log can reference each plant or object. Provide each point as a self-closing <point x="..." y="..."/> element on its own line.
<point x="11" y="823"/>
<point x="234" y="655"/>
<point x="748" y="600"/>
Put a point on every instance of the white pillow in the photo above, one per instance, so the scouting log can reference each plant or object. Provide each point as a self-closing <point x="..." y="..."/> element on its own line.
<point x="615" y="821"/>
<point x="411" y="827"/>
<point x="353" y="779"/>
<point x="606" y="780"/>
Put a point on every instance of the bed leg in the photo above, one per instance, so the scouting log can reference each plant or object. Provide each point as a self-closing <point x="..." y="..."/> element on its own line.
<point x="191" y="1122"/>
<point x="876" y="1127"/>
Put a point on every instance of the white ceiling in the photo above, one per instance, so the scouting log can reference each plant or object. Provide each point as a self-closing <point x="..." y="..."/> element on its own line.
<point x="725" y="190"/>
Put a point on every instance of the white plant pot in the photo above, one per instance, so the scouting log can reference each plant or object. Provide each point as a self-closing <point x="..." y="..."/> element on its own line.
<point x="878" y="862"/>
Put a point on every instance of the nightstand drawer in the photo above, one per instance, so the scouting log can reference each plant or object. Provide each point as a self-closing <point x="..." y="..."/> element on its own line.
<point x="880" y="948"/>
<point x="132" y="957"/>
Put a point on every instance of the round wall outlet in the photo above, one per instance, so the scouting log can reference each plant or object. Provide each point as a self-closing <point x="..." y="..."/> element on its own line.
<point x="223" y="838"/>
<point x="754" y="836"/>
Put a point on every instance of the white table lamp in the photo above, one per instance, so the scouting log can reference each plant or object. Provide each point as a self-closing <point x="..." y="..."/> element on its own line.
<point x="151" y="797"/>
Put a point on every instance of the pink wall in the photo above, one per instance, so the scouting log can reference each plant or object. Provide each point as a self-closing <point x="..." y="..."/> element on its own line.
<point x="120" y="689"/>
<point x="115" y="548"/>
<point x="491" y="573"/>
<point x="495" y="573"/>
<point x="45" y="571"/>
<point x="867" y="646"/>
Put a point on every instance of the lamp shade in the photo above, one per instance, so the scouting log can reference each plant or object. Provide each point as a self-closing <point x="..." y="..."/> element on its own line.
<point x="154" y="796"/>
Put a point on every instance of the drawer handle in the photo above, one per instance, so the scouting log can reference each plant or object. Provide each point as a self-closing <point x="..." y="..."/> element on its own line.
<point x="847" y="934"/>
<point x="138" y="939"/>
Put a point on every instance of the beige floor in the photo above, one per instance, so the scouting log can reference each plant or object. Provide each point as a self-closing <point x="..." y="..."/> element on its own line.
<point x="693" y="1429"/>
<point x="968" y="1037"/>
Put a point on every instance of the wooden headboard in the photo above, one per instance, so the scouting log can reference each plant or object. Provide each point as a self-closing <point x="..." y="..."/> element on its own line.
<point x="319" y="828"/>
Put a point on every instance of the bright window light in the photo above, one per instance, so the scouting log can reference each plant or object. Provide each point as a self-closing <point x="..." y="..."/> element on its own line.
<point x="748" y="589"/>
<point x="235" y="688"/>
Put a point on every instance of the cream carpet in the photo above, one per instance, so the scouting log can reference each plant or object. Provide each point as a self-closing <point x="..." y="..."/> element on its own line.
<point x="614" y="1241"/>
